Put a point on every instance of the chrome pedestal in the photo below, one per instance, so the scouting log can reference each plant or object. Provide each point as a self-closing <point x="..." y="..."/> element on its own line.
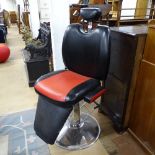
<point x="80" y="131"/>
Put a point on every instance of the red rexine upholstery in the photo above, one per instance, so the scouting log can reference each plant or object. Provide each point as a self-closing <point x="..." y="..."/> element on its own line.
<point x="58" y="86"/>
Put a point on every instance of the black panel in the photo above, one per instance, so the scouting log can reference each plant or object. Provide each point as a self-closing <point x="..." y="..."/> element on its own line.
<point x="114" y="98"/>
<point x="123" y="50"/>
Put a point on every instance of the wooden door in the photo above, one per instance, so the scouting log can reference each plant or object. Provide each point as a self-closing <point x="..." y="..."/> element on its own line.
<point x="142" y="121"/>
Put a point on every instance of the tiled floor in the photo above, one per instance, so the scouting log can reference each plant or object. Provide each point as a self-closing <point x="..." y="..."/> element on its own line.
<point x="15" y="95"/>
<point x="96" y="149"/>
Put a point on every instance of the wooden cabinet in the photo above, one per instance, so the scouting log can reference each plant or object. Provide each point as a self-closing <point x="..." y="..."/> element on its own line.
<point x="96" y="1"/>
<point x="13" y="17"/>
<point x="26" y="16"/>
<point x="141" y="13"/>
<point x="115" y="8"/>
<point x="127" y="46"/>
<point x="142" y="120"/>
<point x="149" y="53"/>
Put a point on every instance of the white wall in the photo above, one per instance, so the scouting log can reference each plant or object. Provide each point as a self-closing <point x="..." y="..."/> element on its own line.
<point x="59" y="19"/>
<point x="19" y="2"/>
<point x="44" y="8"/>
<point x="9" y="5"/>
<point x="34" y="17"/>
<point x="73" y="1"/>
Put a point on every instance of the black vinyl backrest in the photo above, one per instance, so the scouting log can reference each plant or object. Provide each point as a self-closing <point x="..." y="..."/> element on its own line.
<point x="87" y="53"/>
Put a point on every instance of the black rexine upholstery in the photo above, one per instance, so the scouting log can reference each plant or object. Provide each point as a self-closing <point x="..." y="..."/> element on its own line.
<point x="90" y="14"/>
<point x="87" y="53"/>
<point x="49" y="119"/>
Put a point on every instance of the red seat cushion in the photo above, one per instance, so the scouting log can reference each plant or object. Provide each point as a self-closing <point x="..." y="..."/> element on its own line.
<point x="58" y="86"/>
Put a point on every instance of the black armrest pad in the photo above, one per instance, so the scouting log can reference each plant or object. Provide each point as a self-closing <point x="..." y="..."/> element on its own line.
<point x="93" y="95"/>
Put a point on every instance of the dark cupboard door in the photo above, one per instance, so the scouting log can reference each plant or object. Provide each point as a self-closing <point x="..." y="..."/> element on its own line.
<point x="123" y="51"/>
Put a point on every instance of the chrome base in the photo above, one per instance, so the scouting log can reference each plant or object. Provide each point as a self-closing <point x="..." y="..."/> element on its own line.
<point x="80" y="135"/>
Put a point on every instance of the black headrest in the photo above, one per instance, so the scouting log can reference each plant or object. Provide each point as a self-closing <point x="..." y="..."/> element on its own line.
<point x="90" y="14"/>
<point x="79" y="5"/>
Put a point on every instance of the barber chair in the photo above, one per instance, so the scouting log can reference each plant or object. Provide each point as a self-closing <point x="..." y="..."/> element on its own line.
<point x="86" y="57"/>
